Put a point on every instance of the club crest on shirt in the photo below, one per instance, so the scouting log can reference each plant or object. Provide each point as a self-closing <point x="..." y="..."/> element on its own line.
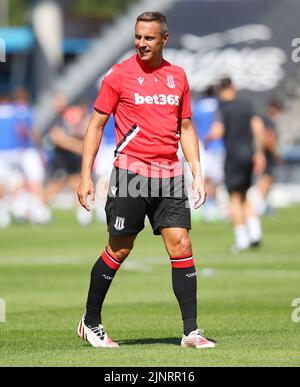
<point x="171" y="82"/>
<point x="120" y="223"/>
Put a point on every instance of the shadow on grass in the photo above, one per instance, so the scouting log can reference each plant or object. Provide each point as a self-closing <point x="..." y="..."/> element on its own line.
<point x="167" y="340"/>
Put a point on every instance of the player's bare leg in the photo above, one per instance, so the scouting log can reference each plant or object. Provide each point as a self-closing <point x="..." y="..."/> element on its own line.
<point x="242" y="240"/>
<point x="91" y="328"/>
<point x="184" y="279"/>
<point x="253" y="224"/>
<point x="4" y="213"/>
<point x="121" y="246"/>
<point x="264" y="186"/>
<point x="53" y="188"/>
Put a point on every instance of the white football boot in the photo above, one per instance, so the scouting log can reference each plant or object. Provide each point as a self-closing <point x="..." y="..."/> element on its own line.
<point x="196" y="340"/>
<point x="96" y="336"/>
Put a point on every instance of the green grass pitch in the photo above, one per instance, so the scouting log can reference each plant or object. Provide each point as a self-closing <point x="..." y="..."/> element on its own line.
<point x="244" y="301"/>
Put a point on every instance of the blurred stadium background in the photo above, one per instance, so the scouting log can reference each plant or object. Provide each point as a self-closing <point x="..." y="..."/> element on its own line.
<point x="58" y="52"/>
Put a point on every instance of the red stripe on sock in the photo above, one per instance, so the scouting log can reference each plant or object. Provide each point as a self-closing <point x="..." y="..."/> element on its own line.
<point x="184" y="263"/>
<point x="113" y="263"/>
<point x="182" y="256"/>
<point x="113" y="257"/>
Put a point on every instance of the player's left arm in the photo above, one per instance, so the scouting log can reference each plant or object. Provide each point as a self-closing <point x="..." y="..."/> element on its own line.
<point x="65" y="141"/>
<point x="190" y="148"/>
<point x="217" y="130"/>
<point x="258" y="129"/>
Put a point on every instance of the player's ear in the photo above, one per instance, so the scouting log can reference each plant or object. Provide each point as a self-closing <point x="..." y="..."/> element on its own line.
<point x="165" y="38"/>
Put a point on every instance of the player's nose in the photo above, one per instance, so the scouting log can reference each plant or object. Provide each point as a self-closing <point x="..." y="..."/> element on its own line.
<point x="142" y="43"/>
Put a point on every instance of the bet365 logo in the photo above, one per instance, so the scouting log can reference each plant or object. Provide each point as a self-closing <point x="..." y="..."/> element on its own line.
<point x="2" y="311"/>
<point x="296" y="52"/>
<point x="296" y="311"/>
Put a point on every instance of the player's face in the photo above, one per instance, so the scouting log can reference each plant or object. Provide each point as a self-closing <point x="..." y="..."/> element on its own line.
<point x="149" y="42"/>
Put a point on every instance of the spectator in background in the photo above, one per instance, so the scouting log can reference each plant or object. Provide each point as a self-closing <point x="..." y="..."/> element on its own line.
<point x="204" y="114"/>
<point x="30" y="202"/>
<point x="103" y="168"/>
<point x="9" y="156"/>
<point x="243" y="133"/>
<point x="66" y="136"/>
<point x="265" y="181"/>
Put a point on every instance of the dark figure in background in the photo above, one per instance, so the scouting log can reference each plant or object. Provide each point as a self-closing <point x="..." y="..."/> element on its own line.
<point x="243" y="133"/>
<point x="265" y="181"/>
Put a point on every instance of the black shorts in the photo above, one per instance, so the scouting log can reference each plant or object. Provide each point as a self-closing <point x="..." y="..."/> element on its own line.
<point x="132" y="197"/>
<point x="65" y="162"/>
<point x="238" y="176"/>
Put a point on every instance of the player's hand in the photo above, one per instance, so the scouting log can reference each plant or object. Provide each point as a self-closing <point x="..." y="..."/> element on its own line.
<point x="199" y="194"/>
<point x="86" y="188"/>
<point x="259" y="161"/>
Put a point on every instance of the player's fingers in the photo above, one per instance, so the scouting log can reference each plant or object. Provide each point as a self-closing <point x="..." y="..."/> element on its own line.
<point x="92" y="196"/>
<point x="83" y="200"/>
<point x="197" y="199"/>
<point x="200" y="199"/>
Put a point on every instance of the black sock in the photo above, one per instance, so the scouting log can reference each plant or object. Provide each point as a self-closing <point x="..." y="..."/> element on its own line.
<point x="102" y="275"/>
<point x="185" y="289"/>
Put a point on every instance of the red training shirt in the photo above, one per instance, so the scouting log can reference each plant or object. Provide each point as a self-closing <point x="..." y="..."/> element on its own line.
<point x="148" y="104"/>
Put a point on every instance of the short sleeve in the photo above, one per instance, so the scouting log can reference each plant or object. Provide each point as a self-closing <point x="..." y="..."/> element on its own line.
<point x="186" y="111"/>
<point x="109" y="94"/>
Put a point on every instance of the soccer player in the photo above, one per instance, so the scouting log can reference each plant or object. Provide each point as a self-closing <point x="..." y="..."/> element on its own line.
<point x="265" y="181"/>
<point x="66" y="137"/>
<point x="30" y="202"/>
<point x="243" y="133"/>
<point x="150" y="100"/>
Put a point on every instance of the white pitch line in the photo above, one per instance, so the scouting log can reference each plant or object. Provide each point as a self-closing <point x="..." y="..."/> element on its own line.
<point x="147" y="265"/>
<point x="55" y="260"/>
<point x="136" y="267"/>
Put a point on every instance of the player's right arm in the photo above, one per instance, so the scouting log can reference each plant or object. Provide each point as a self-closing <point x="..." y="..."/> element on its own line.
<point x="91" y="144"/>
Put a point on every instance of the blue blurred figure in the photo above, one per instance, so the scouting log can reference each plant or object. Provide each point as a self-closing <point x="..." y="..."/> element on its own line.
<point x="212" y="154"/>
<point x="9" y="155"/>
<point x="103" y="167"/>
<point x="30" y="204"/>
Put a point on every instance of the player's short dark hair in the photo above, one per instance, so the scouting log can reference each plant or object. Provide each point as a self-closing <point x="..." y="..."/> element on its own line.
<point x="210" y="91"/>
<point x="276" y="103"/>
<point x="158" y="17"/>
<point x="225" y="83"/>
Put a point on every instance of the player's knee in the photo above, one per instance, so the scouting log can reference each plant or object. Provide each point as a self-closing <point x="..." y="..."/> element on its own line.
<point x="120" y="247"/>
<point x="186" y="245"/>
<point x="122" y="254"/>
<point x="183" y="246"/>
